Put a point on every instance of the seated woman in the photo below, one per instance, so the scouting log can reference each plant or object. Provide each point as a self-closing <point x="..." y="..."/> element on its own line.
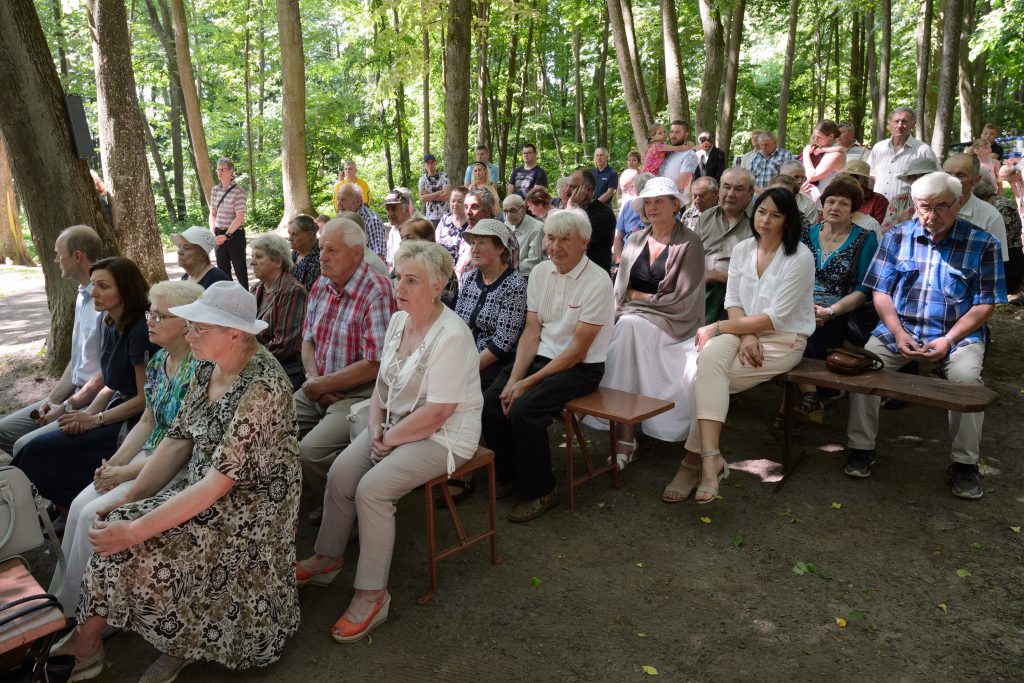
<point x="771" y="313"/>
<point x="194" y="247"/>
<point x="422" y="229"/>
<point x="203" y="570"/>
<point x="168" y="377"/>
<point x="822" y="157"/>
<point x="453" y="224"/>
<point x="1014" y="268"/>
<point x="280" y="302"/>
<point x="305" y="256"/>
<point x="659" y="300"/>
<point x="538" y="202"/>
<point x="62" y="463"/>
<point x="424" y="421"/>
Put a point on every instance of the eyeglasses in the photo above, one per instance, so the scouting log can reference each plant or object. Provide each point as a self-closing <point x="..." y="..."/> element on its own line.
<point x="938" y="208"/>
<point x="192" y="328"/>
<point x="157" y="318"/>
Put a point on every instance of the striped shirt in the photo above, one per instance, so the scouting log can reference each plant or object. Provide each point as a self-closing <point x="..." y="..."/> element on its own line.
<point x="284" y="310"/>
<point x="234" y="203"/>
<point x="376" y="232"/>
<point x="887" y="164"/>
<point x="934" y="285"/>
<point x="561" y="301"/>
<point x="764" y="168"/>
<point x="349" y="323"/>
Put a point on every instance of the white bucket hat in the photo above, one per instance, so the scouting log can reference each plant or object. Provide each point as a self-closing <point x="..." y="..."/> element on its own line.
<point x="226" y="304"/>
<point x="201" y="237"/>
<point x="656" y="187"/>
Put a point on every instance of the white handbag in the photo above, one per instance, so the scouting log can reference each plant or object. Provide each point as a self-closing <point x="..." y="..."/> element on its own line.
<point x="21" y="511"/>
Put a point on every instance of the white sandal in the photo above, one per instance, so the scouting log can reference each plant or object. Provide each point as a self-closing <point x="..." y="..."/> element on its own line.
<point x="722" y="474"/>
<point x="623" y="459"/>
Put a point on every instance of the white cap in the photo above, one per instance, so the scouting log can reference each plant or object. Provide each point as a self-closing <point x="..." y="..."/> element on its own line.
<point x="201" y="237"/>
<point x="226" y="304"/>
<point x="656" y="187"/>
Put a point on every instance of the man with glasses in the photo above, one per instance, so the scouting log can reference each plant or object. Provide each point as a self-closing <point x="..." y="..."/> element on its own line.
<point x="527" y="231"/>
<point x="967" y="169"/>
<point x="525" y="177"/>
<point x="936" y="280"/>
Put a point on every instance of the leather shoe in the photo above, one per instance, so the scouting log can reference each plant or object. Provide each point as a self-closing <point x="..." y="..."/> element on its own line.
<point x="532" y="509"/>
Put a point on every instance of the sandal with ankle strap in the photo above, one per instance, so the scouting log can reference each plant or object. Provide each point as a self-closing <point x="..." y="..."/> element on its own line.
<point x="722" y="474"/>
<point x="811" y="408"/>
<point x="682" y="493"/>
<point x="623" y="459"/>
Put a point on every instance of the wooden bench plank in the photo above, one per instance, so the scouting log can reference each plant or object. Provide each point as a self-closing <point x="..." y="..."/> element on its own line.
<point x="622" y="407"/>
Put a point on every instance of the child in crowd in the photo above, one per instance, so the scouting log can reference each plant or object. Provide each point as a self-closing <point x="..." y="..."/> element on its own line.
<point x="657" y="150"/>
<point x="989" y="166"/>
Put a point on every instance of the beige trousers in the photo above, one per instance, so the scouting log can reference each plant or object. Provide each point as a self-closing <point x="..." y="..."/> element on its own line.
<point x="962" y="366"/>
<point x="358" y="488"/>
<point x="324" y="433"/>
<point x="720" y="373"/>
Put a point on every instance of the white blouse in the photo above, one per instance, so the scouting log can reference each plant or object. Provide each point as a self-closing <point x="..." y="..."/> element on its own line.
<point x="784" y="292"/>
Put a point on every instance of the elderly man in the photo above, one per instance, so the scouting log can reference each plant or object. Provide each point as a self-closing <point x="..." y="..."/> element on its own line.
<point x="755" y="146"/>
<point x="679" y="165"/>
<point x="349" y="175"/>
<point x="874" y="204"/>
<point x="967" y="169"/>
<point x="194" y="247"/>
<point x="602" y="220"/>
<point x="628" y="220"/>
<point x="848" y="141"/>
<point x="525" y="177"/>
<point x="705" y="196"/>
<point x="936" y="280"/>
<point x="527" y="231"/>
<point x="76" y="249"/>
<point x="767" y="161"/>
<point x="351" y="199"/>
<point x="342" y="343"/>
<point x="398" y="203"/>
<point x="890" y="158"/>
<point x="720" y="229"/>
<point x="607" y="177"/>
<point x="808" y="207"/>
<point x="710" y="159"/>
<point x="560" y="356"/>
<point x="434" y="190"/>
<point x="483" y="155"/>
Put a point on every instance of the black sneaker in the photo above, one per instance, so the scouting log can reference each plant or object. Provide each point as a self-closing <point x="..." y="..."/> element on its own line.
<point x="859" y="462"/>
<point x="965" y="480"/>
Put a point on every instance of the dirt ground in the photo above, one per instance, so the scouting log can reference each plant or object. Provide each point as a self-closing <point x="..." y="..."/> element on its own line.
<point x="823" y="577"/>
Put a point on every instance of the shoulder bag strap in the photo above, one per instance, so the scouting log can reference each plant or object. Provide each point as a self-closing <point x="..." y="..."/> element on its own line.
<point x="225" y="195"/>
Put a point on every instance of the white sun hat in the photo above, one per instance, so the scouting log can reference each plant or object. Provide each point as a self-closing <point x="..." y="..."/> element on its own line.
<point x="226" y="304"/>
<point x="201" y="237"/>
<point x="656" y="187"/>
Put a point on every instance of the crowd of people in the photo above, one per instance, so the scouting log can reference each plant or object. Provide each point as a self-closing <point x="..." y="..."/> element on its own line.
<point x="373" y="355"/>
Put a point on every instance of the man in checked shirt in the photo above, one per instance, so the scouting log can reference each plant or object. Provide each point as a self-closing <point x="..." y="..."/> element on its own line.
<point x="936" y="281"/>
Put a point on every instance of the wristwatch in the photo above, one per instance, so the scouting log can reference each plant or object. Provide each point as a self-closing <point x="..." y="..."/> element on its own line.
<point x="68" y="408"/>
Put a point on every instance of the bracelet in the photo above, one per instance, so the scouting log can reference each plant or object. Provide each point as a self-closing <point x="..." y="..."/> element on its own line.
<point x="949" y="341"/>
<point x="718" y="328"/>
<point x="100" y="416"/>
<point x="831" y="313"/>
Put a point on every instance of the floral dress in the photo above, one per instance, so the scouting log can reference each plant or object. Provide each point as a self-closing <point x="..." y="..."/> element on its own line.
<point x="220" y="586"/>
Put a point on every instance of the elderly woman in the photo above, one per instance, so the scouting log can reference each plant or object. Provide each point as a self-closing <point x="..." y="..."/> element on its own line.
<point x="168" y="376"/>
<point x="62" y="463"/>
<point x="424" y="420"/>
<point x="1014" y="267"/>
<point x="305" y="256"/>
<point x="538" y="202"/>
<point x="203" y="570"/>
<point x="281" y="303"/>
<point x="771" y="313"/>
<point x="659" y="300"/>
<point x="194" y="247"/>
<point x="422" y="229"/>
<point x="822" y="157"/>
<point x="628" y="221"/>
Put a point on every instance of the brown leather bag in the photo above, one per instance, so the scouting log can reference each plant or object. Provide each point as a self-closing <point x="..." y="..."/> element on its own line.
<point x="852" y="360"/>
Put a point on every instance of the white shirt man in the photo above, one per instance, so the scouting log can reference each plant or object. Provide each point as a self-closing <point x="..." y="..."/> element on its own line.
<point x="980" y="214"/>
<point x="679" y="166"/>
<point x="890" y="158"/>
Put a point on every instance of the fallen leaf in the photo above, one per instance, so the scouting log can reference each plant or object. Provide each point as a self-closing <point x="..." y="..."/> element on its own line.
<point x="837" y="506"/>
<point x="976" y="546"/>
<point x="942" y="606"/>
<point x="1015" y="529"/>
<point x="640" y="565"/>
<point x="963" y="573"/>
<point x="719" y="497"/>
<point x="840" y="622"/>
<point x="706" y="520"/>
<point x="855" y="614"/>
<point x="650" y="670"/>
<point x="600" y="505"/>
<point x="737" y="540"/>
<point x="536" y="581"/>
<point x="641" y="635"/>
<point x="800" y="568"/>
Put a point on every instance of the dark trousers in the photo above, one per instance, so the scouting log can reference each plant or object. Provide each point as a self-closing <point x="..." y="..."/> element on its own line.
<point x="520" y="439"/>
<point x="1014" y="270"/>
<point x="232" y="253"/>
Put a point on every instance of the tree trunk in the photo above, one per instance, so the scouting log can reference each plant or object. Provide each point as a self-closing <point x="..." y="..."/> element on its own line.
<point x="948" y="77"/>
<point x="38" y="138"/>
<point x="401" y="137"/>
<point x="885" y="51"/>
<point x="261" y="100"/>
<point x="872" y="61"/>
<point x="190" y="97"/>
<point x="426" y="84"/>
<point x="12" y="245"/>
<point x="935" y="63"/>
<point x="61" y="40"/>
<point x="483" y="129"/>
<point x="675" y="83"/>
<point x="122" y="139"/>
<point x="247" y="49"/>
<point x="158" y="163"/>
<point x="506" y="119"/>
<point x="731" y="72"/>
<point x="456" y="94"/>
<point x="600" y="71"/>
<point x="630" y="87"/>
<point x="856" y="76"/>
<point x="714" y="51"/>
<point x="835" y="55"/>
<point x="968" y="115"/>
<point x="923" y="37"/>
<point x="504" y="165"/>
<point x="294" y="181"/>
<point x="579" y="125"/>
<point x="634" y="59"/>
<point x="163" y="27"/>
<point x="787" y="71"/>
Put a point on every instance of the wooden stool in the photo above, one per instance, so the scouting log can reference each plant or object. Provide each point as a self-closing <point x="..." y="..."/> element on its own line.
<point x="40" y="625"/>
<point x="482" y="458"/>
<point x="618" y="407"/>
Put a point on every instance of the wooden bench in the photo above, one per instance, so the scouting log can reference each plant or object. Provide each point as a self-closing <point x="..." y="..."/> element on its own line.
<point x="924" y="391"/>
<point x="618" y="407"/>
<point x="35" y="629"/>
<point x="483" y="457"/>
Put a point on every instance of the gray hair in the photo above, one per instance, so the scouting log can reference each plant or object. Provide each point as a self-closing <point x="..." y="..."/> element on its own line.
<point x="790" y="165"/>
<point x="354" y="217"/>
<point x="975" y="161"/>
<point x="352" y="233"/>
<point x="711" y="183"/>
<point x="765" y="135"/>
<point x="351" y="189"/>
<point x="275" y="248"/>
<point x="175" y="292"/>
<point x="904" y="110"/>
<point x="936" y="185"/>
<point x="431" y="256"/>
<point x="224" y="161"/>
<point x="566" y="223"/>
<point x="561" y="182"/>
<point x="84" y="239"/>
<point x="486" y="198"/>
<point x="513" y="201"/>
<point x="846" y="125"/>
<point x="639" y="180"/>
<point x="740" y="172"/>
<point x="984" y="188"/>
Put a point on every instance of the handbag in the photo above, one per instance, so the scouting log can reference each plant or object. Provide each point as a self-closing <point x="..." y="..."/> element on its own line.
<point x="852" y="360"/>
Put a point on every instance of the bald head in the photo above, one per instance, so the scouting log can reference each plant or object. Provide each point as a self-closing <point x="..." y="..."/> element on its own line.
<point x="967" y="169"/>
<point x="350" y="197"/>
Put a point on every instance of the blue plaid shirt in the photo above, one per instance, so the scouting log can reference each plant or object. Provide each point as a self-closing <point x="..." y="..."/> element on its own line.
<point x="765" y="168"/>
<point x="934" y="285"/>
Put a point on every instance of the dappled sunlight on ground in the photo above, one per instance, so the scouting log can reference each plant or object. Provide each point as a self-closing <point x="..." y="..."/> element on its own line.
<point x="768" y="471"/>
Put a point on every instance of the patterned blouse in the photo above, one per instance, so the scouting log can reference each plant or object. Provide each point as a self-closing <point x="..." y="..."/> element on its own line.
<point x="834" y="273"/>
<point x="495" y="313"/>
<point x="449" y="234"/>
<point x="307" y="271"/>
<point x="164" y="394"/>
<point x="1012" y="220"/>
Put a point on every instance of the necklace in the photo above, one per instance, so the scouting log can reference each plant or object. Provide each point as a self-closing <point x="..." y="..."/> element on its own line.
<point x="830" y="243"/>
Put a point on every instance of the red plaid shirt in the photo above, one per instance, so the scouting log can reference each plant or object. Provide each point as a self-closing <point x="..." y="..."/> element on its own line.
<point x="875" y="205"/>
<point x="349" y="324"/>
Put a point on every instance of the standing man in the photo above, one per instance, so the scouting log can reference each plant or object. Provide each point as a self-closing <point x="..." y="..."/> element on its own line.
<point x="607" y="177"/>
<point x="483" y="155"/>
<point x="227" y="213"/>
<point x="720" y="229"/>
<point x="581" y="188"/>
<point x="77" y="248"/>
<point x="755" y="145"/>
<point x="936" y="280"/>
<point x="350" y="198"/>
<point x="398" y="204"/>
<point x="434" y="191"/>
<point x="891" y="158"/>
<point x="967" y="169"/>
<point x="349" y="175"/>
<point x="529" y="174"/>
<point x="710" y="159"/>
<point x="854" y="150"/>
<point x="680" y="165"/>
<point x="767" y="161"/>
